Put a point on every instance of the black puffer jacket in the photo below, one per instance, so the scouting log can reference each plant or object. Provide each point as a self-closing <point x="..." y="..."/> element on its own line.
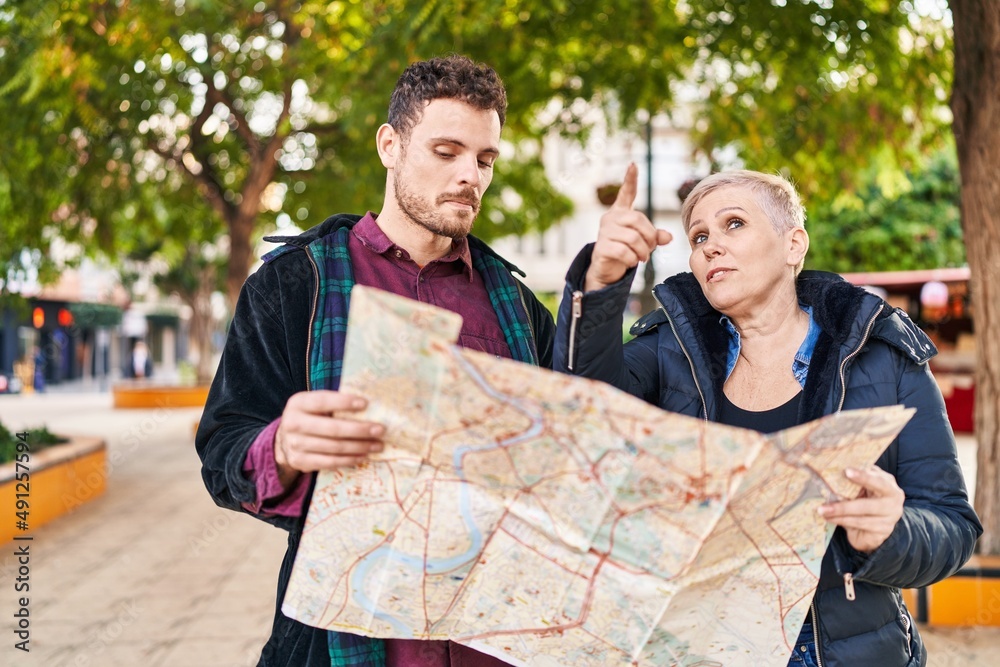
<point x="867" y="355"/>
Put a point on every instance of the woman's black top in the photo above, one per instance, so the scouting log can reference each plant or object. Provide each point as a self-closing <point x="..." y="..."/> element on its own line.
<point x="767" y="421"/>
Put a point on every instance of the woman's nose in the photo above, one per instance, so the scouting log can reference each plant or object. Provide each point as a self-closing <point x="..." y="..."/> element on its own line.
<point x="712" y="248"/>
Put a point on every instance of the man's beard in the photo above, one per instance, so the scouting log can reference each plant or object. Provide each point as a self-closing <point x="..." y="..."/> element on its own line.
<point x="457" y="225"/>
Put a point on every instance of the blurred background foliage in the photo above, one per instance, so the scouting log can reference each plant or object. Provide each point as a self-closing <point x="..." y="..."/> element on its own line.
<point x="143" y="130"/>
<point x="909" y="221"/>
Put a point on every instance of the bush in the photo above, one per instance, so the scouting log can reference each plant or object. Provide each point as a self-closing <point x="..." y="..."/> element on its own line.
<point x="39" y="438"/>
<point x="8" y="445"/>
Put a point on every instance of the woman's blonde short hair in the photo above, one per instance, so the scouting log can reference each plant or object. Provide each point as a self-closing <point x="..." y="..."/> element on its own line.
<point x="775" y="195"/>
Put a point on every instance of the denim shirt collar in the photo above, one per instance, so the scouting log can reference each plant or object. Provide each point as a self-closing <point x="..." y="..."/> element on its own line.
<point x="800" y="365"/>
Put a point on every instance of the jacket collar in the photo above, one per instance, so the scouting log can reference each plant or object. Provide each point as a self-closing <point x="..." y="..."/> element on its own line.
<point x="328" y="226"/>
<point x="339" y="220"/>
<point x="846" y="315"/>
<point x="841" y="310"/>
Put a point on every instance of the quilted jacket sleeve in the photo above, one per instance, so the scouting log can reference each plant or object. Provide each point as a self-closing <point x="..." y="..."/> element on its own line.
<point x="590" y="344"/>
<point x="939" y="528"/>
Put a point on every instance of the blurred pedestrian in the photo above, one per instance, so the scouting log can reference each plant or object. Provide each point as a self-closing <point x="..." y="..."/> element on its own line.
<point x="38" y="380"/>
<point x="141" y="365"/>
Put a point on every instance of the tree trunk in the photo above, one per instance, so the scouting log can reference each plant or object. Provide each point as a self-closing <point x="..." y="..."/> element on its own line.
<point x="243" y="218"/>
<point x="200" y="302"/>
<point x="975" y="104"/>
<point x="240" y="255"/>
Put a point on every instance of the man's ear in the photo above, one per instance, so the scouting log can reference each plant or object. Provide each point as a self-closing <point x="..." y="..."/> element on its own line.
<point x="388" y="143"/>
<point x="798" y="245"/>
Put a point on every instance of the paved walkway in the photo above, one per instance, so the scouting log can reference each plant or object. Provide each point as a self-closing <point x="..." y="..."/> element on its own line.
<point x="153" y="574"/>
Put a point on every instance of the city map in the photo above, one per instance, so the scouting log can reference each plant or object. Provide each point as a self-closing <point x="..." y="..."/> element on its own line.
<point x="552" y="520"/>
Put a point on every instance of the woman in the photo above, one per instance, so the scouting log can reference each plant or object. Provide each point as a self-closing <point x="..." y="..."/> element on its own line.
<point x="748" y="339"/>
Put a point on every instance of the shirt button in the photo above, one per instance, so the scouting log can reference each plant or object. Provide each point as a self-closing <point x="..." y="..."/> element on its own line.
<point x="803" y="649"/>
<point x="399" y="253"/>
<point x="421" y="279"/>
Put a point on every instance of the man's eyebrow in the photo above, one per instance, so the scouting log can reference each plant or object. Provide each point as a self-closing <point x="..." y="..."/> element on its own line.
<point x="462" y="144"/>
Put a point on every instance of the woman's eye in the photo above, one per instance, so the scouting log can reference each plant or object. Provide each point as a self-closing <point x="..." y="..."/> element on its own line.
<point x="736" y="222"/>
<point x="698" y="238"/>
<point x="444" y="155"/>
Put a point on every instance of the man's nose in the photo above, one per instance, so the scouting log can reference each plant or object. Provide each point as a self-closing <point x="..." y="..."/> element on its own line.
<point x="468" y="172"/>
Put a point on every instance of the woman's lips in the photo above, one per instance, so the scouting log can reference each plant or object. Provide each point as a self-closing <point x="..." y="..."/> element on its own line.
<point x="717" y="274"/>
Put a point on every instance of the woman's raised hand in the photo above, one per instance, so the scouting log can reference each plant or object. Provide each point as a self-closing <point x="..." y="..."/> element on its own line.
<point x="625" y="238"/>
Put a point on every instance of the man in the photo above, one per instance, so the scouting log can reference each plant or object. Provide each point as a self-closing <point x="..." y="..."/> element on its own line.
<point x="274" y="415"/>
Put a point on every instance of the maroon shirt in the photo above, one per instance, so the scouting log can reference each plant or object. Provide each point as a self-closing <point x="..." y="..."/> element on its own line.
<point x="449" y="282"/>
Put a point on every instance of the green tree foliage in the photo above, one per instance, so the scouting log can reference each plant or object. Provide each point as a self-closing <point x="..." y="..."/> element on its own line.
<point x="155" y="118"/>
<point x="817" y="89"/>
<point x="197" y="119"/>
<point x="911" y="224"/>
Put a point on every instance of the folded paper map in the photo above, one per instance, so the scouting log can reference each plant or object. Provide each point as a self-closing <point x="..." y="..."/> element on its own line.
<point x="552" y="520"/>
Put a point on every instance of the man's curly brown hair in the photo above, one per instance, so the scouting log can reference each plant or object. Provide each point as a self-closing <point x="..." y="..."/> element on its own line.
<point x="451" y="77"/>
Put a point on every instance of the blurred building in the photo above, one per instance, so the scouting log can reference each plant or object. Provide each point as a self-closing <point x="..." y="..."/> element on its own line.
<point x="81" y="328"/>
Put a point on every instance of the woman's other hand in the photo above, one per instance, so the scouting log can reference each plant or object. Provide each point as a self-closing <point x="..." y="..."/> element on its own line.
<point x="872" y="516"/>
